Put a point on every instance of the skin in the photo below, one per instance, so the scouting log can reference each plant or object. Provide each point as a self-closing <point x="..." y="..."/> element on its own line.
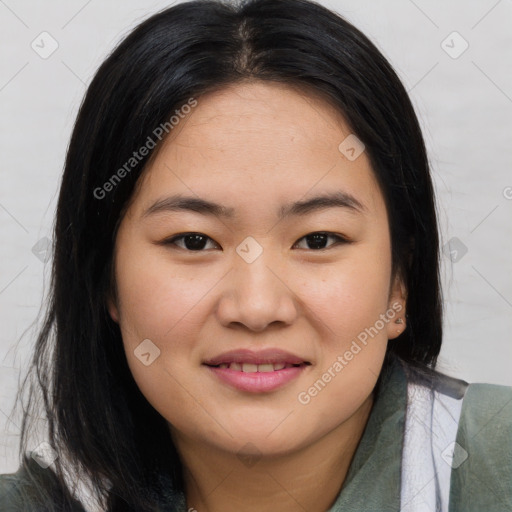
<point x="255" y="147"/>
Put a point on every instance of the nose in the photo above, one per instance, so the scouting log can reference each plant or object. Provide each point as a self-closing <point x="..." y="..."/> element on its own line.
<point x="256" y="294"/>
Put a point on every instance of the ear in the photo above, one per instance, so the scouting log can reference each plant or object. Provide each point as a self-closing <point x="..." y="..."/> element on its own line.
<point x="396" y="308"/>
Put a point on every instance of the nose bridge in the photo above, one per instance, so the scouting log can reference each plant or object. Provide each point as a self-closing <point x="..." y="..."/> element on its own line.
<point x="258" y="295"/>
<point x="255" y="282"/>
<point x="255" y="277"/>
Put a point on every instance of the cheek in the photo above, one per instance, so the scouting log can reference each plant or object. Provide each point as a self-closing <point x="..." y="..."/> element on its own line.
<point x="158" y="299"/>
<point x="167" y="305"/>
<point x="350" y="296"/>
<point x="352" y="351"/>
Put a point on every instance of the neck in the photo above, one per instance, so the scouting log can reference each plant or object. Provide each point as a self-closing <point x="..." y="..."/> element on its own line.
<point x="307" y="479"/>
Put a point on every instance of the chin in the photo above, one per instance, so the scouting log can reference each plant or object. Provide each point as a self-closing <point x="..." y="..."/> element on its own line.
<point x="264" y="443"/>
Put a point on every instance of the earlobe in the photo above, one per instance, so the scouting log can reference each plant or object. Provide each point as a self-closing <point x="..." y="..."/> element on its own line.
<point x="397" y="301"/>
<point x="398" y="324"/>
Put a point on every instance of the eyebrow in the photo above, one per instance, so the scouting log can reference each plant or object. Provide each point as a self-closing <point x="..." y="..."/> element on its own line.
<point x="337" y="199"/>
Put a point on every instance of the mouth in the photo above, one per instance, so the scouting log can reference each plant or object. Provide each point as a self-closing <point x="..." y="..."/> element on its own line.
<point x="256" y="372"/>
<point x="265" y="360"/>
<point x="260" y="368"/>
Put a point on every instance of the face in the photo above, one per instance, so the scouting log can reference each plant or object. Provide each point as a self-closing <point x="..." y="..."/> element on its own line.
<point x="270" y="273"/>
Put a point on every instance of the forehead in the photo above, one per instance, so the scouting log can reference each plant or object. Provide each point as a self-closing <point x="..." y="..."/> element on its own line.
<point x="262" y="111"/>
<point x="258" y="140"/>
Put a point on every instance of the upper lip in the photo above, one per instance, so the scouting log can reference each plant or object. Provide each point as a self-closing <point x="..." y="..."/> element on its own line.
<point x="269" y="355"/>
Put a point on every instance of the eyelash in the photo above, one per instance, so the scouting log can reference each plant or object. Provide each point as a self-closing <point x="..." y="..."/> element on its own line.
<point x="340" y="240"/>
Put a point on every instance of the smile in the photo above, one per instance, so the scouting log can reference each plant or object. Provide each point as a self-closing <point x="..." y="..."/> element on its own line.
<point x="256" y="378"/>
<point x="252" y="368"/>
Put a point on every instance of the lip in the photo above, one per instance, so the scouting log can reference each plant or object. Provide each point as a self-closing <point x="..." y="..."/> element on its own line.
<point x="257" y="382"/>
<point x="268" y="355"/>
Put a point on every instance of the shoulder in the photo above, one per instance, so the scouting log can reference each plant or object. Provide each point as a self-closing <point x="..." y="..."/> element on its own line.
<point x="471" y="437"/>
<point x="484" y="408"/>
<point x="489" y="399"/>
<point x="485" y="424"/>
<point x="10" y="496"/>
<point x="486" y="415"/>
<point x="16" y="492"/>
<point x="32" y="488"/>
<point x="484" y="446"/>
<point x="482" y="453"/>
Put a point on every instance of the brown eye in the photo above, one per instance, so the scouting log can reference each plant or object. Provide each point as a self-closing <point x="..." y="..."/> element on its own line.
<point x="318" y="240"/>
<point x="191" y="241"/>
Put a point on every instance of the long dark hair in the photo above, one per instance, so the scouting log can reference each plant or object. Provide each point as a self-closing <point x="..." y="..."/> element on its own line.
<point x="96" y="416"/>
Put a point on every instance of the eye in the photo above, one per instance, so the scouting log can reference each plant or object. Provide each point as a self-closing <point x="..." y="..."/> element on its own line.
<point x="198" y="241"/>
<point x="319" y="238"/>
<point x="192" y="241"/>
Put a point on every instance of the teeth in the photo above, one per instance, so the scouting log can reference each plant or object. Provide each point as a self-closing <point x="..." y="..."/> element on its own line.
<point x="252" y="368"/>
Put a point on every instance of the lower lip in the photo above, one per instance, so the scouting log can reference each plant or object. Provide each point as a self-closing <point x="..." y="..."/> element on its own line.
<point x="257" y="382"/>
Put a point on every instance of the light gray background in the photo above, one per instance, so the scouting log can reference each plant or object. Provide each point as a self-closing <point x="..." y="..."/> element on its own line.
<point x="464" y="105"/>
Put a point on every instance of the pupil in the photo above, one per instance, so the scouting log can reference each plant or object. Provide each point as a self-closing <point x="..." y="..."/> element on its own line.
<point x="198" y="242"/>
<point x="317" y="238"/>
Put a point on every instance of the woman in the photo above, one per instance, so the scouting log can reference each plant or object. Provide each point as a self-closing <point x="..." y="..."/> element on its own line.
<point x="206" y="347"/>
